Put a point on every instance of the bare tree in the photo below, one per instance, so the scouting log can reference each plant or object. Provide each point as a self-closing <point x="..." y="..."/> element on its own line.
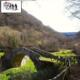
<point x="73" y="6"/>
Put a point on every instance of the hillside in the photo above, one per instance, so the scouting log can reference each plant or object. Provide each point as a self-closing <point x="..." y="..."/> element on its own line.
<point x="23" y="29"/>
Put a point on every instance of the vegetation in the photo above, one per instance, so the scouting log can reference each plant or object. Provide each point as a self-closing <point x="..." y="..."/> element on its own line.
<point x="61" y="53"/>
<point x="17" y="30"/>
<point x="24" y="30"/>
<point x="64" y="53"/>
<point x="28" y="71"/>
<point x="1" y="54"/>
<point x="20" y="73"/>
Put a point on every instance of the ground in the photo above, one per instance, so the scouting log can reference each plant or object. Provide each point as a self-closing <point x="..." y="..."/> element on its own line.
<point x="75" y="72"/>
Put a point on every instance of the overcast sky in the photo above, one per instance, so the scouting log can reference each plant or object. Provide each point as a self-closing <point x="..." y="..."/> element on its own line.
<point x="52" y="13"/>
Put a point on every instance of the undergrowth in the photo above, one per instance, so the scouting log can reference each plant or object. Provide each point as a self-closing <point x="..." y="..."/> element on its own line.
<point x="29" y="71"/>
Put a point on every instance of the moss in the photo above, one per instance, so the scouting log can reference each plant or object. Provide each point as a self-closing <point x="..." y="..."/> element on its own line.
<point x="28" y="71"/>
<point x="2" y="54"/>
<point x="64" y="53"/>
<point x="20" y="73"/>
<point x="4" y="77"/>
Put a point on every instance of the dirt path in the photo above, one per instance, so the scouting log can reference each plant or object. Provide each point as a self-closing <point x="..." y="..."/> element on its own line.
<point x="75" y="72"/>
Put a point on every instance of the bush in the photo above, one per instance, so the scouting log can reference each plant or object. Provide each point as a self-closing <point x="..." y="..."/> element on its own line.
<point x="4" y="77"/>
<point x="9" y="37"/>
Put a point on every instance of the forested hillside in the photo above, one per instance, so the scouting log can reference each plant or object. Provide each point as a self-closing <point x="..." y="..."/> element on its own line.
<point x="22" y="29"/>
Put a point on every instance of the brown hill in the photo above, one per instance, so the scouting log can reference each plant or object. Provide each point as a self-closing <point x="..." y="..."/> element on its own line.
<point x="22" y="29"/>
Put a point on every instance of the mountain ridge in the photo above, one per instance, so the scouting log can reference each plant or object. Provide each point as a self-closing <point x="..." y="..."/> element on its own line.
<point x="70" y="34"/>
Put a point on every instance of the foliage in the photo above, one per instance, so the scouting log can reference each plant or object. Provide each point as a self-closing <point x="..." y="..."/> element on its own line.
<point x="67" y="54"/>
<point x="4" y="77"/>
<point x="64" y="53"/>
<point x="29" y="71"/>
<point x="23" y="73"/>
<point x="9" y="37"/>
<point x="1" y="54"/>
<point x="61" y="53"/>
<point x="20" y="73"/>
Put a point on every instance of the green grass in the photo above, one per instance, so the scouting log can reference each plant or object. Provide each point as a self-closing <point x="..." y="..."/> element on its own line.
<point x="2" y="54"/>
<point x="62" y="53"/>
<point x="19" y="73"/>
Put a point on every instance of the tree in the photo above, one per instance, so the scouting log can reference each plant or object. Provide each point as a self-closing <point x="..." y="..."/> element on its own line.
<point x="73" y="6"/>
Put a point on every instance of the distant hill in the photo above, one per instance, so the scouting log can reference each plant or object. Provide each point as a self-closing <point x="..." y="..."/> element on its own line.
<point x="70" y="34"/>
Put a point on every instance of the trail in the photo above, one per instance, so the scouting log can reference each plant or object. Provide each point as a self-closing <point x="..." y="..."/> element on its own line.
<point x="75" y="72"/>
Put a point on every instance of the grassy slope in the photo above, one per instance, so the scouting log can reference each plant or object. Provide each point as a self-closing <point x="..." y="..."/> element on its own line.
<point x="62" y="53"/>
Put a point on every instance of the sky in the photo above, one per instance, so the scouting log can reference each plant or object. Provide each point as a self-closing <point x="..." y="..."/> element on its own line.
<point x="52" y="13"/>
